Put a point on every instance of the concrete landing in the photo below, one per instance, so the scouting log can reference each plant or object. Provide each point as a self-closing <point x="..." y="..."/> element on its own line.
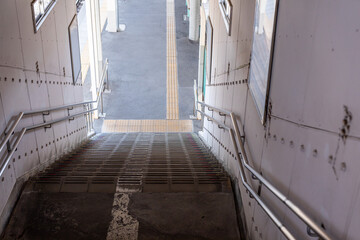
<point x="89" y="216"/>
<point x="184" y="215"/>
<point x="60" y="216"/>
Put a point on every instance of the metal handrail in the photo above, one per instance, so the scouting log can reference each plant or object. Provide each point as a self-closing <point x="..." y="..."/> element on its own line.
<point x="244" y="164"/>
<point x="11" y="131"/>
<point x="103" y="76"/>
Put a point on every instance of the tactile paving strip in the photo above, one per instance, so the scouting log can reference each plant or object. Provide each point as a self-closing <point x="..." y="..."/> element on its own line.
<point x="172" y="103"/>
<point x="150" y="125"/>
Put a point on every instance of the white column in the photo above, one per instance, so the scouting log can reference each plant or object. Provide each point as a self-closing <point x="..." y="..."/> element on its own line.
<point x="95" y="48"/>
<point x="194" y="21"/>
<point x="98" y="29"/>
<point x="113" y="16"/>
<point x="262" y="9"/>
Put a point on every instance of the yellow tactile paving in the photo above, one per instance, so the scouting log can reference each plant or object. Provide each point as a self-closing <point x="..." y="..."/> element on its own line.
<point x="162" y="125"/>
<point x="172" y="98"/>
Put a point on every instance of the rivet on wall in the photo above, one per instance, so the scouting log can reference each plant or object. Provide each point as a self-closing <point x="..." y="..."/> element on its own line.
<point x="343" y="166"/>
<point x="302" y="147"/>
<point x="315" y="153"/>
<point x="331" y="159"/>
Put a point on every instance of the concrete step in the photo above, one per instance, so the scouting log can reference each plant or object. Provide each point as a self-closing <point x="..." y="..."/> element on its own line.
<point x="155" y="162"/>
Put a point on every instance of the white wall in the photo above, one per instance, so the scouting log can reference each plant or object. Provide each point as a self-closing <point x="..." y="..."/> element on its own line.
<point x="315" y="73"/>
<point x="22" y="88"/>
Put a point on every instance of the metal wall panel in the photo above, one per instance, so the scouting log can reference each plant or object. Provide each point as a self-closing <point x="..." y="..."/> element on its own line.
<point x="2" y="116"/>
<point x="25" y="86"/>
<point x="245" y="32"/>
<point x="263" y="227"/>
<point x="296" y="47"/>
<point x="352" y="230"/>
<point x="239" y="94"/>
<point x="50" y="47"/>
<point x="62" y="36"/>
<point x="70" y="10"/>
<point x="31" y="44"/>
<point x="10" y="52"/>
<point x="254" y="133"/>
<point x="38" y="91"/>
<point x="233" y="39"/>
<point x="10" y="46"/>
<point x="334" y="65"/>
<point x="7" y="13"/>
<point x="23" y="159"/>
<point x="6" y="185"/>
<point x="14" y="88"/>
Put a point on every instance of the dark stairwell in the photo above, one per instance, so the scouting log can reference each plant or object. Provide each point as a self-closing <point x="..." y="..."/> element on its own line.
<point x="129" y="186"/>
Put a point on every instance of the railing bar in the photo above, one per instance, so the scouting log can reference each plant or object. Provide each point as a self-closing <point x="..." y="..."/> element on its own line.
<point x="214" y="108"/>
<point x="213" y="119"/>
<point x="272" y="216"/>
<point x="5" y="163"/>
<point x="58" y="108"/>
<point x="296" y="210"/>
<point x="10" y="131"/>
<point x="59" y="120"/>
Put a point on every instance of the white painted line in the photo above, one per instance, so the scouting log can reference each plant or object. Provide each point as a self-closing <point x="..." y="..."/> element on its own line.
<point x="123" y="226"/>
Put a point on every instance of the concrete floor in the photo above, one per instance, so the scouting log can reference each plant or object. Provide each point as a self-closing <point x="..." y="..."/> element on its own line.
<point x="158" y="215"/>
<point x="137" y="62"/>
<point x="184" y="215"/>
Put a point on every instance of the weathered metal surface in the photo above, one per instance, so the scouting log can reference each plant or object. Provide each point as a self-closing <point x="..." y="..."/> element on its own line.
<point x="152" y="162"/>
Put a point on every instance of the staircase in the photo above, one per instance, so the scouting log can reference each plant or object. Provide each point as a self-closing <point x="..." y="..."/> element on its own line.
<point x="164" y="178"/>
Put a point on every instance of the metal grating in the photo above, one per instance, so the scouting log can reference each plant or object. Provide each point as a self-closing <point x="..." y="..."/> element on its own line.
<point x="151" y="162"/>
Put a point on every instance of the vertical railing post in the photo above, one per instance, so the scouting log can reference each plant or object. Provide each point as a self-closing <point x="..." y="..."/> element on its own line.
<point x="87" y="117"/>
<point x="92" y="120"/>
<point x="102" y="104"/>
<point x="8" y="145"/>
<point x="107" y="77"/>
